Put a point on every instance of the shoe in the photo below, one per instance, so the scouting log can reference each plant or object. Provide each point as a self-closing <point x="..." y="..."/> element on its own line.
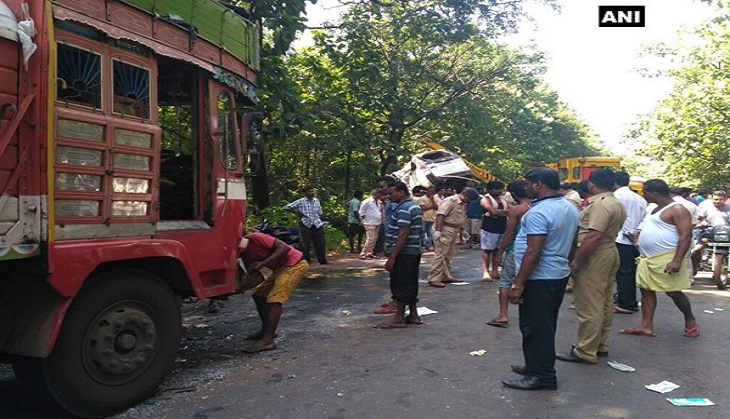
<point x="519" y="369"/>
<point x="570" y="356"/>
<point x="486" y="277"/>
<point x="600" y="354"/>
<point x="531" y="383"/>
<point x="451" y="280"/>
<point x="436" y="284"/>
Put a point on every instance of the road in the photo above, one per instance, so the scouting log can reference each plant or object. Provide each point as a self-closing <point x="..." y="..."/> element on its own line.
<point x="332" y="363"/>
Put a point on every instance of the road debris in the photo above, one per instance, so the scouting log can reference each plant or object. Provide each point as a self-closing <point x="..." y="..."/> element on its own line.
<point x="621" y="367"/>
<point x="663" y="387"/>
<point x="690" y="402"/>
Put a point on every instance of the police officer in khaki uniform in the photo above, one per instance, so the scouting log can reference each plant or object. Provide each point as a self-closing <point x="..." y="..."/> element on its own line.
<point x="450" y="216"/>
<point x="594" y="267"/>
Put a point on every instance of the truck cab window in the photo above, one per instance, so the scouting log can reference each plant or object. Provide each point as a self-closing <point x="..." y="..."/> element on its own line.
<point x="177" y="116"/>
<point x="226" y="131"/>
<point x="131" y="90"/>
<point x="78" y="76"/>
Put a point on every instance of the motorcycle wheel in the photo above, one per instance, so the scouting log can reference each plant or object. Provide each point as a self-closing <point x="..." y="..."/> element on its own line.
<point x="718" y="272"/>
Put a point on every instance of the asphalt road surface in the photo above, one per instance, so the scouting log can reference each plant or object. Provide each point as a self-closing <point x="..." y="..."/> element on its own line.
<point x="331" y="362"/>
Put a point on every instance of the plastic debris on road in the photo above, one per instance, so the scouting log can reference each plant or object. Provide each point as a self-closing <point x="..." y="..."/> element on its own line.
<point x="480" y="352"/>
<point x="663" y="387"/>
<point x="459" y="283"/>
<point x="709" y="312"/>
<point x="718" y="309"/>
<point x="690" y="402"/>
<point x="346" y="312"/>
<point x="621" y="367"/>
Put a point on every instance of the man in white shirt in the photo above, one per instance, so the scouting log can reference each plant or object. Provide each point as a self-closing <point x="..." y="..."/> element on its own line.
<point x="711" y="212"/>
<point x="714" y="212"/>
<point x="635" y="207"/>
<point x="371" y="214"/>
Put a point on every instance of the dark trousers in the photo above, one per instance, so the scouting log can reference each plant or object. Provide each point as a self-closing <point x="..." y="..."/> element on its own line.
<point x="626" y="276"/>
<point x="355" y="230"/>
<point x="538" y="321"/>
<point x="404" y="278"/>
<point x="312" y="236"/>
<point x="380" y="243"/>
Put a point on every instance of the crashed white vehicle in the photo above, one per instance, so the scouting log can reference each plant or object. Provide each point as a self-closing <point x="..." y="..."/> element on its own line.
<point x="434" y="167"/>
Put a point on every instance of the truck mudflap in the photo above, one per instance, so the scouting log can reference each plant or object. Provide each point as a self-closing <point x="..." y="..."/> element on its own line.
<point x="32" y="312"/>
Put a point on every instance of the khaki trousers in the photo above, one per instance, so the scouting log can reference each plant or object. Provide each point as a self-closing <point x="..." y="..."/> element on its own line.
<point x="443" y="252"/>
<point x="371" y="237"/>
<point x="593" y="292"/>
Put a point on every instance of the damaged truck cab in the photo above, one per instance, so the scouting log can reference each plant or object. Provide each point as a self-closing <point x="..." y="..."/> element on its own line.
<point x="125" y="131"/>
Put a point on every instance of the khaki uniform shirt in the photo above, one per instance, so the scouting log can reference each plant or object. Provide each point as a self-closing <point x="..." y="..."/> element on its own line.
<point x="603" y="213"/>
<point x="453" y="210"/>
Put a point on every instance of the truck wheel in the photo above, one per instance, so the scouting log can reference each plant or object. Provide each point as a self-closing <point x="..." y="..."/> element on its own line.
<point x="718" y="271"/>
<point x="117" y="343"/>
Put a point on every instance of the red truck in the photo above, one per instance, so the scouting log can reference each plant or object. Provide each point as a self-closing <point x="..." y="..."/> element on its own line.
<point x="127" y="133"/>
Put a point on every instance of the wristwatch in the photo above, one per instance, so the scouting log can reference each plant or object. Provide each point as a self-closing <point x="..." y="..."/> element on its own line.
<point x="515" y="287"/>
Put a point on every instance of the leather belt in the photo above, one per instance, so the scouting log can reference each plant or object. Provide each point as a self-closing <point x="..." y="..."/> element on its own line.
<point x="452" y="225"/>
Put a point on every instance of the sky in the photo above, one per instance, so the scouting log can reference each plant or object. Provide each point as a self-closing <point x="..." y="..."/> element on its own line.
<point x="593" y="68"/>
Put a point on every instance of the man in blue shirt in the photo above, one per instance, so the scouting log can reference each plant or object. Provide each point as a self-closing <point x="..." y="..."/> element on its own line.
<point x="403" y="246"/>
<point x="542" y="248"/>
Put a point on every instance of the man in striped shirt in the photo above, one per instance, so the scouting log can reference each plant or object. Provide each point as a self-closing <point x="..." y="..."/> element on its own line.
<point x="311" y="226"/>
<point x="403" y="246"/>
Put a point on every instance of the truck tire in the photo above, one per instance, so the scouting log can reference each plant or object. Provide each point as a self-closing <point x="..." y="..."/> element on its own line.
<point x="118" y="341"/>
<point x="719" y="273"/>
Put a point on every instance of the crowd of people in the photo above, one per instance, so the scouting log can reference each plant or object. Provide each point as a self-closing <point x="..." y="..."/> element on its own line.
<point x="539" y="238"/>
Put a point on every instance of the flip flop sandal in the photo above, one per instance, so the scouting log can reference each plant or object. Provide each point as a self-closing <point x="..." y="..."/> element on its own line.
<point x="409" y="321"/>
<point x="257" y="336"/>
<point x="389" y="326"/>
<point x="634" y="332"/>
<point x="692" y="332"/>
<point x="385" y="310"/>
<point x="495" y="323"/>
<point x="254" y="349"/>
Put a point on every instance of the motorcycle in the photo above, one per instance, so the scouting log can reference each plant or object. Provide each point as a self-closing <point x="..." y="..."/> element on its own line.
<point x="289" y="235"/>
<point x="716" y="242"/>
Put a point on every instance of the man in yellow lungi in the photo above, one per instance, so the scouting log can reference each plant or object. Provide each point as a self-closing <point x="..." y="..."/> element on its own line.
<point x="665" y="238"/>
<point x="450" y="216"/>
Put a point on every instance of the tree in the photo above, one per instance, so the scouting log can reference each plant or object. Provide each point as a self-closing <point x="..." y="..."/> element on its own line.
<point x="687" y="131"/>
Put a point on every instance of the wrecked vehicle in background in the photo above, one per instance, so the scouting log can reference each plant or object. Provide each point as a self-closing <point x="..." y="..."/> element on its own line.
<point x="435" y="167"/>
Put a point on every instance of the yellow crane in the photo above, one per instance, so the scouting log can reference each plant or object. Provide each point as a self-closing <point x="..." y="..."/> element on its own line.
<point x="476" y="171"/>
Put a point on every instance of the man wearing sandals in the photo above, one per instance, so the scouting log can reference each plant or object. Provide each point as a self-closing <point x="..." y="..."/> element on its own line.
<point x="403" y="246"/>
<point x="664" y="239"/>
<point x="258" y="251"/>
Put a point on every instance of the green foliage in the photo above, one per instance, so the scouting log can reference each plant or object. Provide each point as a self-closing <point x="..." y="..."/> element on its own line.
<point x="687" y="131"/>
<point x="355" y="105"/>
